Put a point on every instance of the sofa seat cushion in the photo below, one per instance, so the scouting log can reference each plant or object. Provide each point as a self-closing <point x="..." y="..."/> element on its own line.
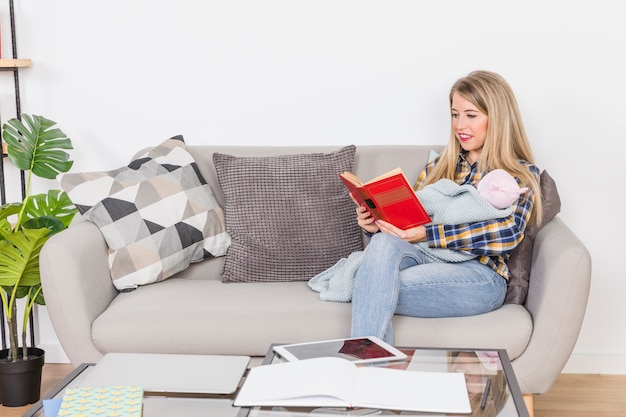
<point x="211" y="317"/>
<point x="508" y="327"/>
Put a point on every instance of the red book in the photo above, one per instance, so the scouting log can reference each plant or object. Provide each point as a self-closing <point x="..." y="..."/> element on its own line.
<point x="388" y="197"/>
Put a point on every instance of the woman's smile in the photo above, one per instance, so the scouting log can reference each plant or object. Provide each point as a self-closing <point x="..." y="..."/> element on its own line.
<point x="464" y="137"/>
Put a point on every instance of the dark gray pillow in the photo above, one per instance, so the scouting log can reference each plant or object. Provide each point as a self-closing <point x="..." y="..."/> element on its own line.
<point x="521" y="258"/>
<point x="289" y="216"/>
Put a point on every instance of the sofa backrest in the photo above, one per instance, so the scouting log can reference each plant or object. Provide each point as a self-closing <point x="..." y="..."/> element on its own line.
<point x="371" y="160"/>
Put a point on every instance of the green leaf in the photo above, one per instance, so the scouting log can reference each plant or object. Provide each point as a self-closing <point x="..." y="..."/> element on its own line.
<point x="39" y="299"/>
<point x="22" y="292"/>
<point x="19" y="257"/>
<point x="33" y="145"/>
<point x="51" y="223"/>
<point x="29" y="292"/>
<point x="41" y="208"/>
<point x="10" y="209"/>
<point x="6" y="211"/>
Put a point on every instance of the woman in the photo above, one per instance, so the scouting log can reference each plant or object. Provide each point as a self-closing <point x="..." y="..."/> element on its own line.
<point x="394" y="278"/>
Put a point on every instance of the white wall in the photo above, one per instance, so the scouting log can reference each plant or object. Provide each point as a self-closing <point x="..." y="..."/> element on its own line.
<point x="123" y="74"/>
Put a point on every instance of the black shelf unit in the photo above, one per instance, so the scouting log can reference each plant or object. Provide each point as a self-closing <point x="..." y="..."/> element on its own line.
<point x="13" y="65"/>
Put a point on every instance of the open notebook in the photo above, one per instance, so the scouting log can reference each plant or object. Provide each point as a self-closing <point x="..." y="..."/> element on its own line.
<point x="337" y="382"/>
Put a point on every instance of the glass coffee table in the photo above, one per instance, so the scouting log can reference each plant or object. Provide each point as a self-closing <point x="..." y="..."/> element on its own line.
<point x="491" y="384"/>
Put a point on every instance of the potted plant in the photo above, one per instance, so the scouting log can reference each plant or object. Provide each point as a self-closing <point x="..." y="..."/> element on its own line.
<point x="36" y="147"/>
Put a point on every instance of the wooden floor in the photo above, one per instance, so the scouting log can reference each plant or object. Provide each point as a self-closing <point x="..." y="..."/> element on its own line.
<point x="588" y="395"/>
<point x="572" y="395"/>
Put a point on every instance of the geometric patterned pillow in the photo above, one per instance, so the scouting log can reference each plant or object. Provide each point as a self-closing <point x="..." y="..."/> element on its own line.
<point x="157" y="214"/>
<point x="289" y="216"/>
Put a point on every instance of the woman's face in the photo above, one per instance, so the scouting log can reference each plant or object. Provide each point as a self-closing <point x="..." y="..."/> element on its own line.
<point x="469" y="125"/>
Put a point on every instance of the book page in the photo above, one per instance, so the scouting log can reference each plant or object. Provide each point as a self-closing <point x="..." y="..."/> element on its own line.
<point x="391" y="173"/>
<point x="436" y="392"/>
<point x="324" y="382"/>
<point x="356" y="181"/>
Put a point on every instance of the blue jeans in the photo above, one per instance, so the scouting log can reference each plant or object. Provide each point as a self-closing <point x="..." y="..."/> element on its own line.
<point x="395" y="278"/>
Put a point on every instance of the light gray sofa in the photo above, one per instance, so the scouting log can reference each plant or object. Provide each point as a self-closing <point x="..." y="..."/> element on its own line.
<point x="196" y="313"/>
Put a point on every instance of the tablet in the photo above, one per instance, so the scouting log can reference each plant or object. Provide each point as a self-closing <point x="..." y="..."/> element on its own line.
<point x="357" y="350"/>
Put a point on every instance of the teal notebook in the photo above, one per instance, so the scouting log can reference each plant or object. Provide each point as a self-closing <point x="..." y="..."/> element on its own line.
<point x="102" y="401"/>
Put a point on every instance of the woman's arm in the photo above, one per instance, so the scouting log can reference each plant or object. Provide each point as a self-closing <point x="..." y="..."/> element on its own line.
<point x="485" y="238"/>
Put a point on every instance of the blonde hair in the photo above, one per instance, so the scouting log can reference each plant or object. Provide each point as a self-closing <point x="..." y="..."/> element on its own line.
<point x="506" y="142"/>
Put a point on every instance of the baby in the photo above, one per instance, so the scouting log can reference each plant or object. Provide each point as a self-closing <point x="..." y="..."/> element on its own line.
<point x="499" y="188"/>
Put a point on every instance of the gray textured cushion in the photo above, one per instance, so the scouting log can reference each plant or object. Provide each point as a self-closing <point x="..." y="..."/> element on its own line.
<point x="289" y="216"/>
<point x="520" y="261"/>
<point x="157" y="214"/>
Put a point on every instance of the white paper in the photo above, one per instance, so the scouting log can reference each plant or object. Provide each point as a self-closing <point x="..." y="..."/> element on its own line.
<point x="307" y="382"/>
<point x="335" y="382"/>
<point x="437" y="392"/>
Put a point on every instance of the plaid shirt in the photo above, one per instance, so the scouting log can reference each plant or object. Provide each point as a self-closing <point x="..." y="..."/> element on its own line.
<point x="491" y="240"/>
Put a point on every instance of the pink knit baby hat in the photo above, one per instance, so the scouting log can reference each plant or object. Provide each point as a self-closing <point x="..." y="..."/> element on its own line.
<point x="500" y="188"/>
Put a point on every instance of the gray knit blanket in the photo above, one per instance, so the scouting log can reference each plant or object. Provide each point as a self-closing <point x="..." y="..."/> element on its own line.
<point x="446" y="202"/>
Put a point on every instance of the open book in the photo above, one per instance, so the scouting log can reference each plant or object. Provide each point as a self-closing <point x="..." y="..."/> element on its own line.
<point x="336" y="382"/>
<point x="388" y="197"/>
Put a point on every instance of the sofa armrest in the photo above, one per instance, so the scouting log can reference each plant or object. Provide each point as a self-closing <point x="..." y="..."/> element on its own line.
<point x="557" y="299"/>
<point x="77" y="285"/>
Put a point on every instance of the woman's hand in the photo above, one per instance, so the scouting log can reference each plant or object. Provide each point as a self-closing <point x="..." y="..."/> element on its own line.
<point x="412" y="235"/>
<point x="369" y="224"/>
<point x="364" y="218"/>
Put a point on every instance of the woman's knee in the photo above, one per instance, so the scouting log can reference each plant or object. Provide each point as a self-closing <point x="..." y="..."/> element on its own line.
<point x="501" y="284"/>
<point x="381" y="242"/>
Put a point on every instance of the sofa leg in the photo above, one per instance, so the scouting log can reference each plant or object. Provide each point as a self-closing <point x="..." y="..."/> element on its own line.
<point x="528" y="400"/>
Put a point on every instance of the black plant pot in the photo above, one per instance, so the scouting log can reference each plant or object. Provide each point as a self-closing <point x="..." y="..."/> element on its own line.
<point x="20" y="382"/>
